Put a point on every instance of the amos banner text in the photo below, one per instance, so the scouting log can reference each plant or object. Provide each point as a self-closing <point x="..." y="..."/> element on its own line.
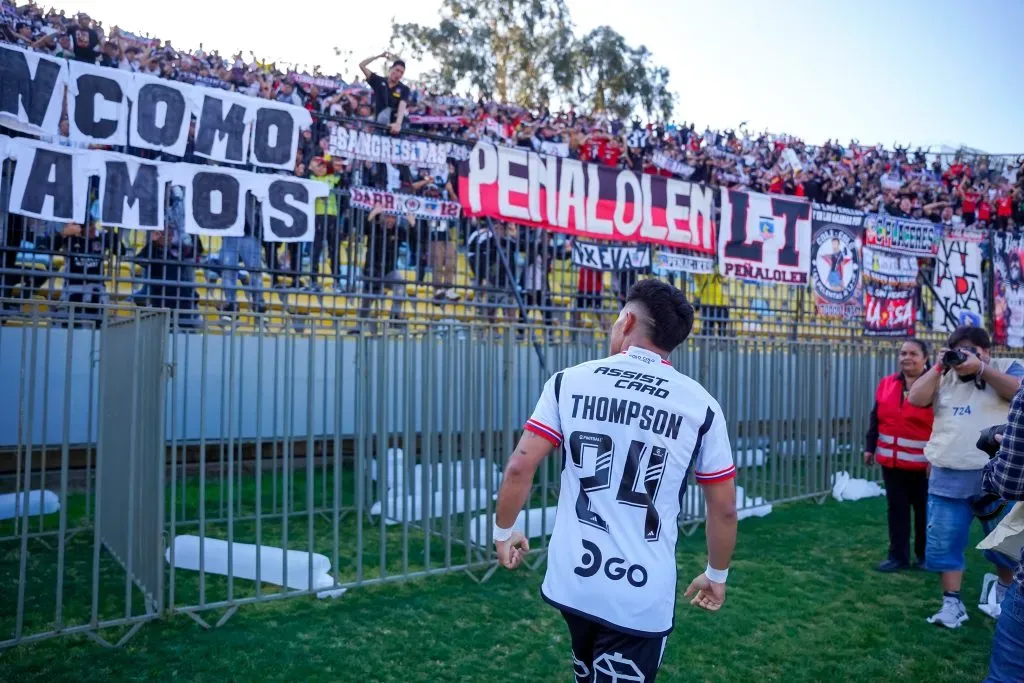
<point x="51" y="183"/>
<point x="902" y="235"/>
<point x="765" y="238"/>
<point x="890" y="290"/>
<point x="683" y="263"/>
<point x="230" y="128"/>
<point x="586" y="200"/>
<point x="401" y="204"/>
<point x="959" y="293"/>
<point x="372" y="146"/>
<point x="1008" y="316"/>
<point x="835" y="261"/>
<point x="610" y="256"/>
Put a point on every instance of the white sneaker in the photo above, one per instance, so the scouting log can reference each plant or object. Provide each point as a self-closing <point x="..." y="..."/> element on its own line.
<point x="952" y="614"/>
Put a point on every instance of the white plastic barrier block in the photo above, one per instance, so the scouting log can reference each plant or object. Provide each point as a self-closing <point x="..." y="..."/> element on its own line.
<point x="11" y="503"/>
<point x="846" y="488"/>
<point x="481" y="474"/>
<point x="537" y="522"/>
<point x="399" y="507"/>
<point x="243" y="562"/>
<point x="753" y="457"/>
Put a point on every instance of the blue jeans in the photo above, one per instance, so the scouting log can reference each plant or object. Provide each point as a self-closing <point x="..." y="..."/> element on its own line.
<point x="949" y="528"/>
<point x="249" y="249"/>
<point x="1006" y="665"/>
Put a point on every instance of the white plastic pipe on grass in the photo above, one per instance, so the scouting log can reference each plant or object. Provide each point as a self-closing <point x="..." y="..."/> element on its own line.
<point x="243" y="562"/>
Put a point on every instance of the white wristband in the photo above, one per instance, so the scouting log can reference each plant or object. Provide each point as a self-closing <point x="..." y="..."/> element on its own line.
<point x="716" y="575"/>
<point x="501" y="535"/>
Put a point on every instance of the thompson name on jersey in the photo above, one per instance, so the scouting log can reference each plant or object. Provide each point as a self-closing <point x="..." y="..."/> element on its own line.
<point x="630" y="429"/>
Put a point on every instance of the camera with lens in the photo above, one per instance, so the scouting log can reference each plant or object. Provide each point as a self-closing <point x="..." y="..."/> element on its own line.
<point x="987" y="443"/>
<point x="954" y="357"/>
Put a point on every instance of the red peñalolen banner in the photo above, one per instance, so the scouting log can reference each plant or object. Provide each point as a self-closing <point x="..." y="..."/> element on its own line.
<point x="586" y="200"/>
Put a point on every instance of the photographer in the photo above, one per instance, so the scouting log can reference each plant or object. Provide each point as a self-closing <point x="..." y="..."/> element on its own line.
<point x="1004" y="476"/>
<point x="969" y="391"/>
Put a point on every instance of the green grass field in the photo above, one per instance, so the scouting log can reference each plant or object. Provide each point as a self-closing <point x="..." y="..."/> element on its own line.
<point x="803" y="605"/>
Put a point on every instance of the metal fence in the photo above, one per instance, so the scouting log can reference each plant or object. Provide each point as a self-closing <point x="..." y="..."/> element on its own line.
<point x="155" y="469"/>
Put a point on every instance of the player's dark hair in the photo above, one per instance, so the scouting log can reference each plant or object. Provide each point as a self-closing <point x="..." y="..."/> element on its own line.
<point x="398" y="62"/>
<point x="976" y="335"/>
<point x="671" y="315"/>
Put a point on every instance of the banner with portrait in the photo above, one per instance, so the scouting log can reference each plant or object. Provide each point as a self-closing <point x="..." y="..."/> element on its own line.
<point x="835" y="261"/>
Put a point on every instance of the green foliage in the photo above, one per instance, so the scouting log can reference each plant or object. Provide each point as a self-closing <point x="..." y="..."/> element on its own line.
<point x="526" y="52"/>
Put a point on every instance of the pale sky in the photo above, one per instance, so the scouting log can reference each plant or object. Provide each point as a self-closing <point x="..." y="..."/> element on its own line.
<point x="905" y="71"/>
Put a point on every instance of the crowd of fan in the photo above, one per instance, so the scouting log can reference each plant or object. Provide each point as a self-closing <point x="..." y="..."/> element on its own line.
<point x="980" y="191"/>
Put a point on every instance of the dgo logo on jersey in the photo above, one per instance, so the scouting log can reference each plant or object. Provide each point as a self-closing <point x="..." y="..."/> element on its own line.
<point x="615" y="568"/>
<point x="614" y="668"/>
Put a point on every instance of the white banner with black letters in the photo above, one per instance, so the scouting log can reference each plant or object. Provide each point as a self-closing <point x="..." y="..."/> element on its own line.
<point x="766" y="238"/>
<point x="31" y="90"/>
<point x="371" y="146"/>
<point x="51" y="183"/>
<point x="98" y="104"/>
<point x="131" y="190"/>
<point x="683" y="263"/>
<point x="230" y="127"/>
<point x="401" y="204"/>
<point x="610" y="256"/>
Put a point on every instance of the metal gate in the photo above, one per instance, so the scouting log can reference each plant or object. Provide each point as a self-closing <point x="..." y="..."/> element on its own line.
<point x="130" y="472"/>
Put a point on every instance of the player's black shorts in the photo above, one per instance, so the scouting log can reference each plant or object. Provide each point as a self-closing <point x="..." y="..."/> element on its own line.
<point x="603" y="655"/>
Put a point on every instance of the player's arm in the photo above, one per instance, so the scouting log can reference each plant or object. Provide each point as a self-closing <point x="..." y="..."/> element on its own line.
<point x="518" y="479"/>
<point x="715" y="472"/>
<point x="720" y="498"/>
<point x="512" y="545"/>
<point x="540" y="434"/>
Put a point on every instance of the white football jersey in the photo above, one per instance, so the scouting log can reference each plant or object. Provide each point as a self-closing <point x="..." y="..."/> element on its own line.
<point x="630" y="429"/>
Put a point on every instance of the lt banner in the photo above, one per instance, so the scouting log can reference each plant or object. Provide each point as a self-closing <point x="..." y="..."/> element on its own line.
<point x="1008" y="316"/>
<point x="959" y="293"/>
<point x="586" y="200"/>
<point x="890" y="292"/>
<point x="902" y="235"/>
<point x="765" y="238"/>
<point x="610" y="256"/>
<point x="835" y="261"/>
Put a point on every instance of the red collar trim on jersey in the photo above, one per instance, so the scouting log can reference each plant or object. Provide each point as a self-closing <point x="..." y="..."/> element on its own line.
<point x="644" y="355"/>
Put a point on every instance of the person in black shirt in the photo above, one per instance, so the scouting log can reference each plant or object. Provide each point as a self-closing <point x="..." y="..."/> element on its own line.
<point x="380" y="269"/>
<point x="85" y="40"/>
<point x="86" y="250"/>
<point x="390" y="95"/>
<point x="168" y="270"/>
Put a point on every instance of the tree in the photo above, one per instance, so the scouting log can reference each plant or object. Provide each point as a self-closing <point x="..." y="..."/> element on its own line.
<point x="525" y="52"/>
<point x="618" y="79"/>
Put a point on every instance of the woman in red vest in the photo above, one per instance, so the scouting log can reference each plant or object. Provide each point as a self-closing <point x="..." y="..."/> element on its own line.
<point x="896" y="440"/>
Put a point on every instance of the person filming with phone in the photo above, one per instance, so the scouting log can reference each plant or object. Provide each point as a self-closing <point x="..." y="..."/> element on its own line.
<point x="969" y="391"/>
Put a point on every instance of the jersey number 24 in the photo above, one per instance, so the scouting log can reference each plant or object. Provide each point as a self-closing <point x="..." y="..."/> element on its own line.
<point x="601" y="449"/>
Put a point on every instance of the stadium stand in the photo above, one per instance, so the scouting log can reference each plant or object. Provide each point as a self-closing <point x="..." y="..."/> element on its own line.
<point x="457" y="269"/>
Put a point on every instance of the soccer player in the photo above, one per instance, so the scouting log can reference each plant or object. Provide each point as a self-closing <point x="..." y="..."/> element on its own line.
<point x="629" y="429"/>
